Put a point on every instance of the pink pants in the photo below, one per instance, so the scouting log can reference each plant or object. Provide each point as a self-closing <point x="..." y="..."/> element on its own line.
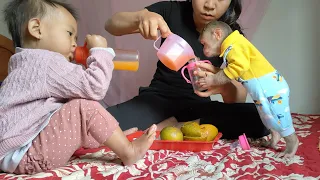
<point x="79" y="123"/>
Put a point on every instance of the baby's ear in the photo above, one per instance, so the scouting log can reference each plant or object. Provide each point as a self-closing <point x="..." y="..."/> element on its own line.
<point x="217" y="33"/>
<point x="34" y="28"/>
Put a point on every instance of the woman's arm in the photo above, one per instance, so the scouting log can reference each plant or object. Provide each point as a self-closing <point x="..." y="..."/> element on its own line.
<point x="144" y="22"/>
<point x="123" y="23"/>
<point x="233" y="92"/>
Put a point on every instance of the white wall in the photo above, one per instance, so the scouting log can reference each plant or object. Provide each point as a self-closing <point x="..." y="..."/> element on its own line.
<point x="288" y="36"/>
<point x="3" y="27"/>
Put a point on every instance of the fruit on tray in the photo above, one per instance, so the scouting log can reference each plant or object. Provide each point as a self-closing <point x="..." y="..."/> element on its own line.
<point x="201" y="138"/>
<point x="171" y="133"/>
<point x="203" y="132"/>
<point x="190" y="131"/>
<point x="209" y="131"/>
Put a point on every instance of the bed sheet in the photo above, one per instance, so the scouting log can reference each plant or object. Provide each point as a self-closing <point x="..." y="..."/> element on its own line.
<point x="220" y="163"/>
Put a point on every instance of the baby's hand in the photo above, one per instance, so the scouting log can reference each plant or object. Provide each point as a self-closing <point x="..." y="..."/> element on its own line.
<point x="205" y="75"/>
<point x="96" y="41"/>
<point x="207" y="67"/>
<point x="205" y="79"/>
<point x="205" y="82"/>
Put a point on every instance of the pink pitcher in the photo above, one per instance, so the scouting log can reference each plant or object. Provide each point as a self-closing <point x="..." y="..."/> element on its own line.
<point x="175" y="52"/>
<point x="191" y="68"/>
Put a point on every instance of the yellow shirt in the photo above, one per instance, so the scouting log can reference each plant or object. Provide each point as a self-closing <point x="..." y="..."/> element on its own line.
<point x="244" y="60"/>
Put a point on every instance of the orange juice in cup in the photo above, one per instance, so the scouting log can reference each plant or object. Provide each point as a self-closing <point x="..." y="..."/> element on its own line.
<point x="127" y="60"/>
<point x="126" y="65"/>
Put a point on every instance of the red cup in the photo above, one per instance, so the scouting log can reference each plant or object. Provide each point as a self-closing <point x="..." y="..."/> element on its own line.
<point x="81" y="54"/>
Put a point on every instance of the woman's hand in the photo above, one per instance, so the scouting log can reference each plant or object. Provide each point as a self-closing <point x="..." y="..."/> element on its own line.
<point x="232" y="92"/>
<point x="205" y="77"/>
<point x="206" y="67"/>
<point x="150" y="23"/>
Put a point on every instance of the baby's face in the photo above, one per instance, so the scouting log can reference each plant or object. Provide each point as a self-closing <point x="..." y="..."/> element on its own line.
<point x="211" y="46"/>
<point x="59" y="33"/>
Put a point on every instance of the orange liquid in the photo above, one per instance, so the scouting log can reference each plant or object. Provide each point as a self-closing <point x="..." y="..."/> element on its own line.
<point x="175" y="64"/>
<point x="126" y="65"/>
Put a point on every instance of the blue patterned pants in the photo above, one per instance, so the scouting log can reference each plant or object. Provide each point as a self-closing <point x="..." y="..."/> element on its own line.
<point x="270" y="94"/>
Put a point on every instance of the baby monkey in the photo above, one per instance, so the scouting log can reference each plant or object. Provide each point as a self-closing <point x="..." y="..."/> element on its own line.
<point x="243" y="62"/>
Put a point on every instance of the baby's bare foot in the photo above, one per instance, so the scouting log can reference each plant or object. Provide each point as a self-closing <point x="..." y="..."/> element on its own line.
<point x="130" y="131"/>
<point x="275" y="138"/>
<point x="140" y="146"/>
<point x="292" y="143"/>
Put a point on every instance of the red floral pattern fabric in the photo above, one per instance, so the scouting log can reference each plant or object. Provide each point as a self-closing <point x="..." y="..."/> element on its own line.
<point x="220" y="163"/>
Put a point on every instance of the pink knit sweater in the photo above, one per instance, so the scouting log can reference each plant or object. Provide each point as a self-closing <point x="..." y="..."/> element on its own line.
<point x="38" y="83"/>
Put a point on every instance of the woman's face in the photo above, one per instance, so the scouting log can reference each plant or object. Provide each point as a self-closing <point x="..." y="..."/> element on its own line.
<point x="205" y="11"/>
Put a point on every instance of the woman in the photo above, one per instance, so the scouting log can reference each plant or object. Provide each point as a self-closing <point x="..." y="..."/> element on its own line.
<point x="169" y="94"/>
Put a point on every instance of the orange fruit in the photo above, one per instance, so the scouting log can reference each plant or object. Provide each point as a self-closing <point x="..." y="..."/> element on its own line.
<point x="171" y="133"/>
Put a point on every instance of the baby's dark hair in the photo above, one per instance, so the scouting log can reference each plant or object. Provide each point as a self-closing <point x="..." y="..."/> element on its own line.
<point x="18" y="12"/>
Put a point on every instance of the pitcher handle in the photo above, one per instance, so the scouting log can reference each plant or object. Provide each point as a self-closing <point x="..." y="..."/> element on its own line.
<point x="182" y="73"/>
<point x="154" y="44"/>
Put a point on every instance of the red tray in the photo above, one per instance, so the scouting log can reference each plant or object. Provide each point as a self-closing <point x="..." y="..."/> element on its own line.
<point x="194" y="146"/>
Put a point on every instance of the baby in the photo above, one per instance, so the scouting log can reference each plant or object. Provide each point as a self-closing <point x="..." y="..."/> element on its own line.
<point x="48" y="105"/>
<point x="243" y="62"/>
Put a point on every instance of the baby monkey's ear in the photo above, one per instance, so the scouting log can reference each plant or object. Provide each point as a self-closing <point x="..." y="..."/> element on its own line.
<point x="34" y="28"/>
<point x="217" y="33"/>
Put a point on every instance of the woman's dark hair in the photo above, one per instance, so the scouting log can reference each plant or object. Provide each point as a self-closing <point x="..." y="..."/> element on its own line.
<point x="18" y="12"/>
<point x="232" y="15"/>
